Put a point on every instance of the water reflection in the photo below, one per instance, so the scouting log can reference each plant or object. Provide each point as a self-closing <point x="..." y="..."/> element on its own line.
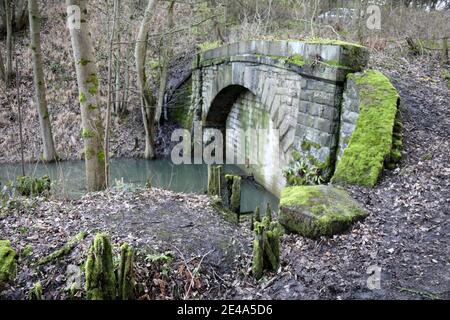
<point x="68" y="178"/>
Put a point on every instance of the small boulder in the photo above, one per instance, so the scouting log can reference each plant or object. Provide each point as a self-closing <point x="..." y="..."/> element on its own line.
<point x="314" y="211"/>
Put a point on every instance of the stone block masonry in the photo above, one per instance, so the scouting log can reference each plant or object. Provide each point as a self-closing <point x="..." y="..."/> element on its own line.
<point x="293" y="88"/>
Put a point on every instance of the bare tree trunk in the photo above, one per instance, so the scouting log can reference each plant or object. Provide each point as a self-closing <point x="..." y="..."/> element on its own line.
<point x="118" y="97"/>
<point x="217" y="27"/>
<point x="127" y="78"/>
<point x="110" y="95"/>
<point x="2" y="68"/>
<point x="444" y="58"/>
<point x="49" y="153"/>
<point x="19" y="109"/>
<point x="166" y="55"/>
<point x="89" y="95"/>
<point x="148" y="101"/>
<point x="9" y="46"/>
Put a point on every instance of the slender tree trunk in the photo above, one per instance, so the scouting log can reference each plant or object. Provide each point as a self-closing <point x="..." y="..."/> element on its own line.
<point x="2" y="68"/>
<point x="49" y="153"/>
<point x="89" y="95"/>
<point x="217" y="27"/>
<point x="118" y="98"/>
<point x="444" y="58"/>
<point x="9" y="39"/>
<point x="167" y="53"/>
<point x="110" y="95"/>
<point x="148" y="101"/>
<point x="19" y="109"/>
<point x="127" y="78"/>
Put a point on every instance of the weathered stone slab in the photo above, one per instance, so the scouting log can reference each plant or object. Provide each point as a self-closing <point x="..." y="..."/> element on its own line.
<point x="314" y="211"/>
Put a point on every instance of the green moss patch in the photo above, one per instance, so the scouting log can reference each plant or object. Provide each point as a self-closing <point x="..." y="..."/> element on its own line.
<point x="334" y="42"/>
<point x="372" y="140"/>
<point x="314" y="211"/>
<point x="7" y="261"/>
<point x="99" y="271"/>
<point x="32" y="186"/>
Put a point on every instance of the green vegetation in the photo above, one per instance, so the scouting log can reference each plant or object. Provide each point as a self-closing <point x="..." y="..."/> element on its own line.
<point x="87" y="133"/>
<point x="83" y="61"/>
<point x="313" y="211"/>
<point x="66" y="249"/>
<point x="371" y="143"/>
<point x="126" y="273"/>
<point x="8" y="264"/>
<point x="26" y="251"/>
<point x="296" y="59"/>
<point x="310" y="172"/>
<point x="334" y="42"/>
<point x="209" y="45"/>
<point x="93" y="81"/>
<point x="36" y="292"/>
<point x="32" y="186"/>
<point x="99" y="270"/>
<point x="82" y="97"/>
<point x="266" y="245"/>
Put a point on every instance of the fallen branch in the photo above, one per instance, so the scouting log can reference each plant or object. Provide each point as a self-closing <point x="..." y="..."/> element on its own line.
<point x="67" y="248"/>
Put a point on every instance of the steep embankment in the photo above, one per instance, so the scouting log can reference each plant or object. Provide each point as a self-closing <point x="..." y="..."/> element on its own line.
<point x="127" y="134"/>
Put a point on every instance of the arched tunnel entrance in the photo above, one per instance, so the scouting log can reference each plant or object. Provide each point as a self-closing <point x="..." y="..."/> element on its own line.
<point x="250" y="137"/>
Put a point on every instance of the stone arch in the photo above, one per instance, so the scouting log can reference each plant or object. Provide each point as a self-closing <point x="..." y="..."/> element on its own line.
<point x="221" y="106"/>
<point x="280" y="98"/>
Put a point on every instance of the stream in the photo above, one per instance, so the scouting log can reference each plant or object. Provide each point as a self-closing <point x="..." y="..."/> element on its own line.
<point x="68" y="178"/>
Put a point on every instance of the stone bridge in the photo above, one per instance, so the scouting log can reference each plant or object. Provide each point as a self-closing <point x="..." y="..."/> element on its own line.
<point x="293" y="87"/>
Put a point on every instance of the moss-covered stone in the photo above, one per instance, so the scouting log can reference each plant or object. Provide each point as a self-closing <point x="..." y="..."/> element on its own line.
<point x="371" y="142"/>
<point x="126" y="273"/>
<point x="8" y="264"/>
<point x="297" y="59"/>
<point x="314" y="211"/>
<point x="99" y="270"/>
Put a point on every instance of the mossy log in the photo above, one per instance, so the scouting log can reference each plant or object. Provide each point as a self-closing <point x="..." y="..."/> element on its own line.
<point x="99" y="270"/>
<point x="66" y="249"/>
<point x="126" y="273"/>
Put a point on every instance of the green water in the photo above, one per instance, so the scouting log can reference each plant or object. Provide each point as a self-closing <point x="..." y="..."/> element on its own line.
<point x="68" y="178"/>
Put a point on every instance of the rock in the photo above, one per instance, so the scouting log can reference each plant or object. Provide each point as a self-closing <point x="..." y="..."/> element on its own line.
<point x="7" y="261"/>
<point x="314" y="211"/>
